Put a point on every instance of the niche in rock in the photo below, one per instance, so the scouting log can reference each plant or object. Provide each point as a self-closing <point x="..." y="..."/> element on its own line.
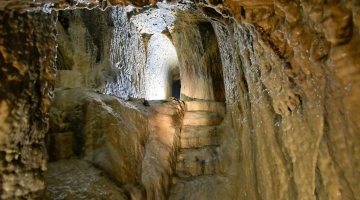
<point x="162" y="69"/>
<point x="199" y="60"/>
<point x="176" y="87"/>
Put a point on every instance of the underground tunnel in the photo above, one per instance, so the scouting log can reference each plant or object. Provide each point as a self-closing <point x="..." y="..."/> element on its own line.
<point x="250" y="99"/>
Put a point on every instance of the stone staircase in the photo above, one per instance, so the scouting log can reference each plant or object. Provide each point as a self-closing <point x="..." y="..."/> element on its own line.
<point x="199" y="139"/>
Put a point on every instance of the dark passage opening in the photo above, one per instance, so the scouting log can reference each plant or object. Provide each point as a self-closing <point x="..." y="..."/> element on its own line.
<point x="176" y="86"/>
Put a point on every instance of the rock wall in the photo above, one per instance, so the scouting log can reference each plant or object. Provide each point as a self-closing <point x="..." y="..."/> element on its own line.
<point x="159" y="164"/>
<point x="128" y="55"/>
<point x="133" y="144"/>
<point x="108" y="132"/>
<point x="291" y="71"/>
<point x="288" y="91"/>
<point x="27" y="69"/>
<point x="105" y="54"/>
<point x="199" y="59"/>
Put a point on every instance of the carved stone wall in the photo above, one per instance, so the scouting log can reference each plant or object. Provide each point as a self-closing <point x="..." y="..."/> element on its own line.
<point x="105" y="53"/>
<point x="199" y="59"/>
<point x="291" y="80"/>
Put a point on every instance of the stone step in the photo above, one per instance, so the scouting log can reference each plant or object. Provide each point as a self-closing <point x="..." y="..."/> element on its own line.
<point x="212" y="106"/>
<point x="199" y="136"/>
<point x="201" y="118"/>
<point x="196" y="162"/>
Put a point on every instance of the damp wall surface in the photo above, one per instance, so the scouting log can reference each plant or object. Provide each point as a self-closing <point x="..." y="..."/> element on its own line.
<point x="27" y="77"/>
<point x="291" y="72"/>
<point x="297" y="137"/>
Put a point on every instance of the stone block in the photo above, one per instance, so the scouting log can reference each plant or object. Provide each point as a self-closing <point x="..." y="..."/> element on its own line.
<point x="213" y="106"/>
<point x="201" y="118"/>
<point x="199" y="136"/>
<point x="196" y="162"/>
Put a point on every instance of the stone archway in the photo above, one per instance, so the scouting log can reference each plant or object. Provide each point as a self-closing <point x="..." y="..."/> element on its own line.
<point x="162" y="67"/>
<point x="199" y="58"/>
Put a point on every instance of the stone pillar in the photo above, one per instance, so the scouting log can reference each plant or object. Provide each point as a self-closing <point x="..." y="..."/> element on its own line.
<point x="27" y="76"/>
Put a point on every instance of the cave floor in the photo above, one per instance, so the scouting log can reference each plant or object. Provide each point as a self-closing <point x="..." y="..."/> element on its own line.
<point x="77" y="179"/>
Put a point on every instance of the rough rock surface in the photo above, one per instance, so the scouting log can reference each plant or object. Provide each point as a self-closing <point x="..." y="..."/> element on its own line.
<point x="104" y="54"/>
<point x="291" y="76"/>
<point x="199" y="59"/>
<point x="135" y="145"/>
<point x="83" y="181"/>
<point x="109" y="133"/>
<point x="209" y="171"/>
<point x="290" y="107"/>
<point x="159" y="162"/>
<point x="27" y="58"/>
<point x="138" y="54"/>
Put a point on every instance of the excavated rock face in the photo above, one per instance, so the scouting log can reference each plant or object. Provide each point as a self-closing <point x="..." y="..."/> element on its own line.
<point x="105" y="54"/>
<point x="27" y="58"/>
<point x="138" y="54"/>
<point x="288" y="70"/>
<point x="107" y="132"/>
<point x="158" y="167"/>
<point x="199" y="59"/>
<point x="132" y="143"/>
<point x="290" y="92"/>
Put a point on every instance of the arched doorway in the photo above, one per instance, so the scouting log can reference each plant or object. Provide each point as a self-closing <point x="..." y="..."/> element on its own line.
<point x="162" y="72"/>
<point x="199" y="59"/>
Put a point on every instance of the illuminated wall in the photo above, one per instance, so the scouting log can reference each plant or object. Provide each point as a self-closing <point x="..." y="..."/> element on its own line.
<point x="162" y="63"/>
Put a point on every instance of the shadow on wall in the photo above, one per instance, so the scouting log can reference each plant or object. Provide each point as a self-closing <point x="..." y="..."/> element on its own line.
<point x="176" y="87"/>
<point x="199" y="59"/>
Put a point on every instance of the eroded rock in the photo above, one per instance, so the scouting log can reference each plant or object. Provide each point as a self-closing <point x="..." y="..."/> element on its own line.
<point x="290" y="71"/>
<point x="109" y="133"/>
<point x="27" y="70"/>
<point x="132" y="143"/>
